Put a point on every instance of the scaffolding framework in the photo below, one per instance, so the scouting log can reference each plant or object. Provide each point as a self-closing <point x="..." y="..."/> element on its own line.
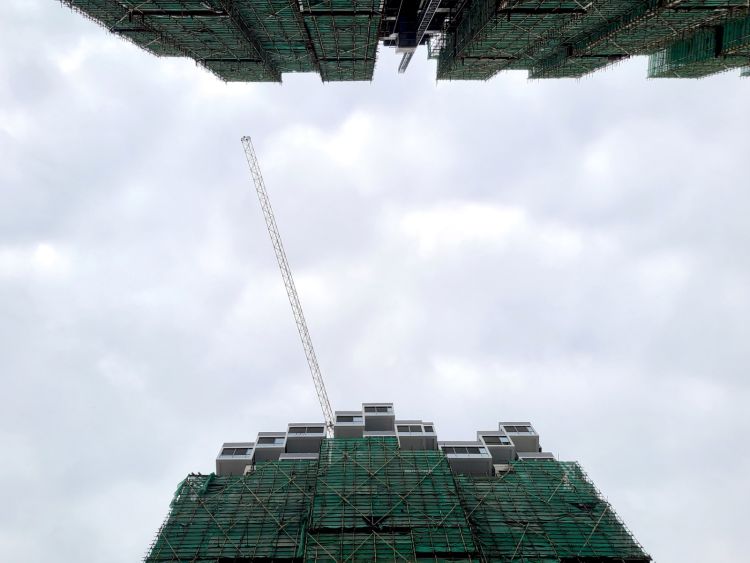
<point x="544" y="510"/>
<point x="258" y="516"/>
<point x="725" y="46"/>
<point x="365" y="499"/>
<point x="569" y="39"/>
<point x="261" y="40"/>
<point x="250" y="40"/>
<point x="374" y="502"/>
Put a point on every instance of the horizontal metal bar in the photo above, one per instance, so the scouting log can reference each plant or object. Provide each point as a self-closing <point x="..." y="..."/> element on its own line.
<point x="177" y="13"/>
<point x="346" y="60"/>
<point x="231" y="60"/>
<point x="132" y="30"/>
<point x="351" y="13"/>
<point x="541" y="11"/>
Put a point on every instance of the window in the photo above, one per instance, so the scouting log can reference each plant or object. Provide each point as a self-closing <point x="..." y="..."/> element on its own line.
<point x="270" y="440"/>
<point x="429" y="429"/>
<point x="518" y="429"/>
<point x="297" y="429"/>
<point x="348" y="418"/>
<point x="402" y="428"/>
<point x="463" y="450"/>
<point x="498" y="440"/>
<point x="236" y="451"/>
<point x="377" y="409"/>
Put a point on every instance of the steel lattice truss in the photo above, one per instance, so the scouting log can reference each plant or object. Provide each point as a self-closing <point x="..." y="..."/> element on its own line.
<point x="288" y="279"/>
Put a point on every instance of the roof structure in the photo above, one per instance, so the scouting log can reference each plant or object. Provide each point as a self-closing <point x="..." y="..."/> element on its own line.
<point x="260" y="40"/>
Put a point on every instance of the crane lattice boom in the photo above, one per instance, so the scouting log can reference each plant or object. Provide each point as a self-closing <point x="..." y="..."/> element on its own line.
<point x="286" y="274"/>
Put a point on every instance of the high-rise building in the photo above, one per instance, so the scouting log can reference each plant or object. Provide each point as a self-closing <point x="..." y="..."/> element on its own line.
<point x="259" y="40"/>
<point x="384" y="489"/>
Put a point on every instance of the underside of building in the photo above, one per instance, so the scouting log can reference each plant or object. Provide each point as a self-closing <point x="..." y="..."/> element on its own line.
<point x="383" y="489"/>
<point x="260" y="40"/>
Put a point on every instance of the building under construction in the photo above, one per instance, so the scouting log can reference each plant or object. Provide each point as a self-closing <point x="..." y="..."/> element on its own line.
<point x="382" y="489"/>
<point x="260" y="40"/>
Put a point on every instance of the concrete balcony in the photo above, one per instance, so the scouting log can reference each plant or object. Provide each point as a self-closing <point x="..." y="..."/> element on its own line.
<point x="522" y="434"/>
<point x="349" y="424"/>
<point x="304" y="437"/>
<point x="499" y="445"/>
<point x="378" y="416"/>
<point x="416" y="435"/>
<point x="269" y="446"/>
<point x="234" y="457"/>
<point x="467" y="458"/>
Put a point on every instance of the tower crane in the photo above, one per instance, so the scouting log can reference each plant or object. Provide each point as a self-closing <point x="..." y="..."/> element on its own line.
<point x="291" y="290"/>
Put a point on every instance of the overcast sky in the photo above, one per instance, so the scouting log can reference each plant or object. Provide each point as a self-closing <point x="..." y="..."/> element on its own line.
<point x="574" y="253"/>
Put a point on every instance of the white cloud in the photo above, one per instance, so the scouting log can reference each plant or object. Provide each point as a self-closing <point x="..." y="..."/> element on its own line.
<point x="459" y="226"/>
<point x="40" y="261"/>
<point x="449" y="226"/>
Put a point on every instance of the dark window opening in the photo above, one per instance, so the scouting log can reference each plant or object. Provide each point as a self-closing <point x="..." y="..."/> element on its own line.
<point x="462" y="450"/>
<point x="501" y="440"/>
<point x="236" y="451"/>
<point x="270" y="440"/>
<point x="348" y="418"/>
<point x="518" y="429"/>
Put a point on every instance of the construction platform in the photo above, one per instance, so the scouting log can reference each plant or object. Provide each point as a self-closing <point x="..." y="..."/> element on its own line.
<point x="384" y="489"/>
<point x="260" y="40"/>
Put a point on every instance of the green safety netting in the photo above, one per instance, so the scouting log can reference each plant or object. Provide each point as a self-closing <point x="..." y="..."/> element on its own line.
<point x="564" y="39"/>
<point x="251" y="40"/>
<point x="374" y="501"/>
<point x="709" y="50"/>
<point x="257" y="516"/>
<point x="544" y="510"/>
<point x="367" y="500"/>
<point x="260" y="40"/>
